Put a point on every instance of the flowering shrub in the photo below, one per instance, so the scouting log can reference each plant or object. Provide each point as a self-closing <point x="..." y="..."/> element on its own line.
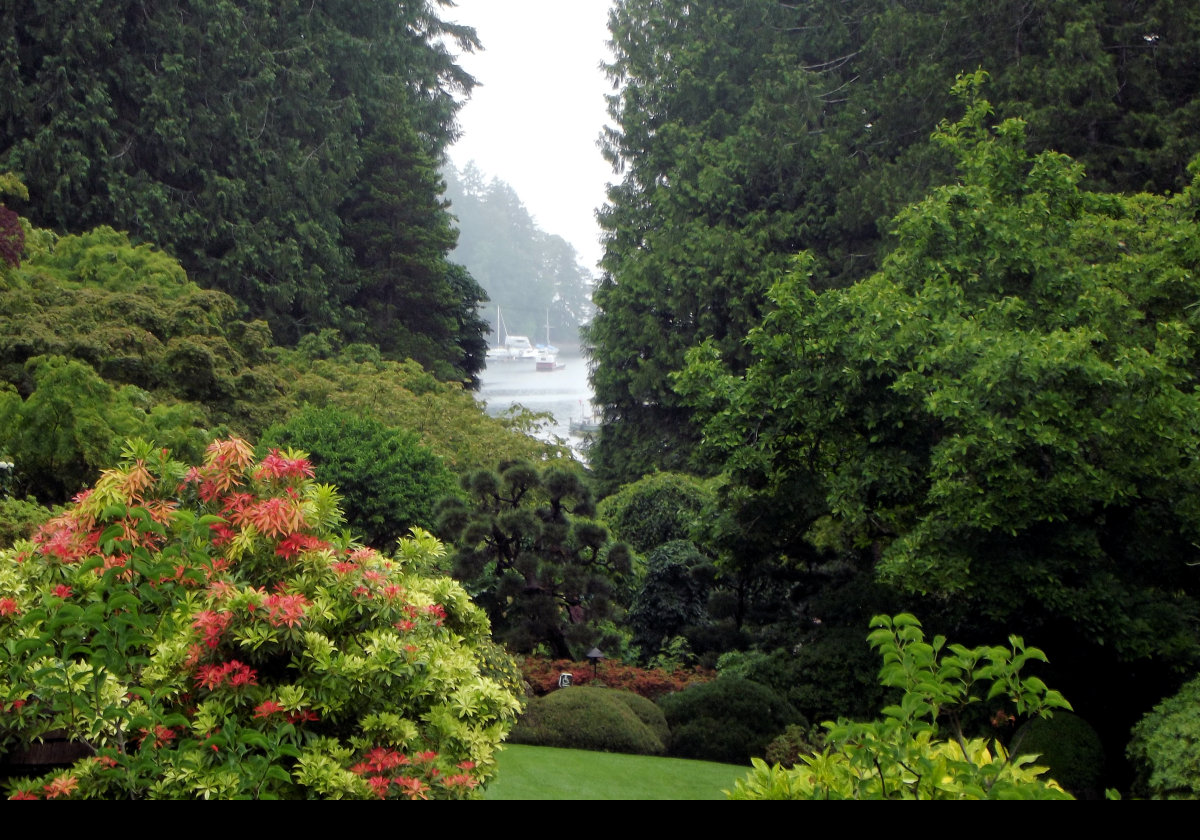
<point x="651" y="683"/>
<point x="209" y="632"/>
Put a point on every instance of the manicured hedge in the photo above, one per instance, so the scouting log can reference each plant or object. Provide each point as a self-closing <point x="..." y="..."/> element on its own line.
<point x="593" y="719"/>
<point x="729" y="719"/>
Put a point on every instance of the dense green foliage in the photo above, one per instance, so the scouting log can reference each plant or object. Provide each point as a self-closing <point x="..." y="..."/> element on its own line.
<point x="530" y="552"/>
<point x="827" y="676"/>
<point x="19" y="518"/>
<point x="1005" y="412"/>
<point x="729" y="719"/>
<point x="101" y="340"/>
<point x="799" y="739"/>
<point x="286" y="153"/>
<point x="656" y="509"/>
<point x="587" y="718"/>
<point x="210" y="633"/>
<point x="1070" y="748"/>
<point x="389" y="482"/>
<point x="672" y="597"/>
<point x="1163" y="749"/>
<point x="530" y="275"/>
<point x="745" y="133"/>
<point x="922" y="747"/>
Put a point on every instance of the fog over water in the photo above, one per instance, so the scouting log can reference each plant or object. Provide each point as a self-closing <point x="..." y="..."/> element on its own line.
<point x="564" y="393"/>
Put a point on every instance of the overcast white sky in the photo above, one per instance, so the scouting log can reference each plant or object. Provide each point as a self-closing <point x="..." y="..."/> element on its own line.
<point x="535" y="119"/>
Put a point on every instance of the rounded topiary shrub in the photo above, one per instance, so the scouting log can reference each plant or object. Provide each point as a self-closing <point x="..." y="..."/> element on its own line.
<point x="656" y="509"/>
<point x="213" y="632"/>
<point x="648" y="713"/>
<point x="1070" y="747"/>
<point x="390" y="482"/>
<point x="586" y="718"/>
<point x="729" y="719"/>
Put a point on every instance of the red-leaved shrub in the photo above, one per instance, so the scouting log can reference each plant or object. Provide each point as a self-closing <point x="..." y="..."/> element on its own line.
<point x="651" y="683"/>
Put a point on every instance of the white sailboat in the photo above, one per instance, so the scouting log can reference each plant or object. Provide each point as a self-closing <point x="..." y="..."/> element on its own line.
<point x="512" y="347"/>
<point x="547" y="354"/>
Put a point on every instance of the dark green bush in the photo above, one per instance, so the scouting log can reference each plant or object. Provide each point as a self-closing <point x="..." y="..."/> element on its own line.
<point x="19" y="518"/>
<point x="829" y="676"/>
<point x="797" y="740"/>
<point x="1070" y="747"/>
<point x="585" y="718"/>
<point x="390" y="482"/>
<point x="673" y="595"/>
<point x="729" y="719"/>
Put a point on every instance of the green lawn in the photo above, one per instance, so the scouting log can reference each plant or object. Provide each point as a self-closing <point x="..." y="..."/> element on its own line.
<point x="551" y="773"/>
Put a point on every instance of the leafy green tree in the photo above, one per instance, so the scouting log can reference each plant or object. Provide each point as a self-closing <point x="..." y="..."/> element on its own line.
<point x="745" y="133"/>
<point x="72" y="425"/>
<point x="657" y="509"/>
<point x="1005" y="413"/>
<point x="530" y="551"/>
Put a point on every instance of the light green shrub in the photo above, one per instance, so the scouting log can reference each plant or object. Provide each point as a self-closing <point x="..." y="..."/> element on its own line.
<point x="904" y="755"/>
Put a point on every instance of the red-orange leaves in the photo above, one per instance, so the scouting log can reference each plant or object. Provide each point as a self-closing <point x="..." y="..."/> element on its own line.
<point x="274" y="517"/>
<point x="276" y="466"/>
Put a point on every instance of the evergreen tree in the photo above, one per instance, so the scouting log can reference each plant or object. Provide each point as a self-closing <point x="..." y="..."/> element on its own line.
<point x="530" y="551"/>
<point x="409" y="298"/>
<point x="238" y="137"/>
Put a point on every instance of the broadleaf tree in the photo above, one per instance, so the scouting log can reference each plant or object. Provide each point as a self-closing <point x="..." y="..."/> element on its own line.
<point x="1003" y="416"/>
<point x="745" y="133"/>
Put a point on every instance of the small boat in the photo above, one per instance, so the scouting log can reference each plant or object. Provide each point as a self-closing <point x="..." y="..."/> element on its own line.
<point x="587" y="424"/>
<point x="547" y="361"/>
<point x="513" y="347"/>
<point x="547" y="354"/>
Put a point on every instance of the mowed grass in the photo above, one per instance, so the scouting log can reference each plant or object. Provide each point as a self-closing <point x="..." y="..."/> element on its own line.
<point x="552" y="773"/>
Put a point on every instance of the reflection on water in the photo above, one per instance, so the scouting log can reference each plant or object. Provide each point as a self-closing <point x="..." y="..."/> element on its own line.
<point x="563" y="393"/>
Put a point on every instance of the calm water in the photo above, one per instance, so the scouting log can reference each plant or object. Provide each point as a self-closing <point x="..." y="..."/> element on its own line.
<point x="564" y="393"/>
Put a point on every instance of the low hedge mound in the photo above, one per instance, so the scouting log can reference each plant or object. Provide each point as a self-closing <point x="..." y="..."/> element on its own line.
<point x="599" y="719"/>
<point x="729" y="719"/>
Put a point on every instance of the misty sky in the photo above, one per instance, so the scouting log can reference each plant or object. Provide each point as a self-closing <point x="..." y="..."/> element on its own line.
<point x="539" y="111"/>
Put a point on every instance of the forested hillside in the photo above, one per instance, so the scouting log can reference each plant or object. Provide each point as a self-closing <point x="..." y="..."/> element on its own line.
<point x="531" y="276"/>
<point x="286" y="153"/>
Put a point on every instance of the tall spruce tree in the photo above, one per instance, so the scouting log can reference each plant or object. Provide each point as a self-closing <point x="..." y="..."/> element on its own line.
<point x="245" y="138"/>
